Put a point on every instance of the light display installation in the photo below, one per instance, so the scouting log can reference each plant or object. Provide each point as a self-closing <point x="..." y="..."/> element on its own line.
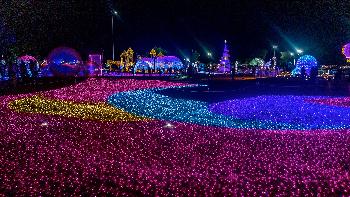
<point x="288" y="112"/>
<point x="346" y="51"/>
<point x="164" y="62"/>
<point x="307" y="62"/>
<point x="63" y="61"/>
<point x="225" y="64"/>
<point x="51" y="154"/>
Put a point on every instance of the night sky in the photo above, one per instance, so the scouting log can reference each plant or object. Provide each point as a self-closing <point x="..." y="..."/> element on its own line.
<point x="320" y="28"/>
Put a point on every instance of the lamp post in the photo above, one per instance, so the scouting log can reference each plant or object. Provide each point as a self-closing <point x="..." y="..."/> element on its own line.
<point x="292" y="54"/>
<point x="274" y="59"/>
<point x="210" y="55"/>
<point x="114" y="13"/>
<point x="274" y="50"/>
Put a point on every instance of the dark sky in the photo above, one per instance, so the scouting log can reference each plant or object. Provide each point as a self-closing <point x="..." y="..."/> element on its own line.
<point x="180" y="26"/>
<point x="320" y="28"/>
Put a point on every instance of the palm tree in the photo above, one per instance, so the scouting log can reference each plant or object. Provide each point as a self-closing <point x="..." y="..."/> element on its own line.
<point x="153" y="54"/>
<point x="129" y="58"/>
<point x="123" y="58"/>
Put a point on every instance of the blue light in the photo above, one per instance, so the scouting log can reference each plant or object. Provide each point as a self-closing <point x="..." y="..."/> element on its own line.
<point x="166" y="62"/>
<point x="63" y="61"/>
<point x="307" y="62"/>
<point x="263" y="112"/>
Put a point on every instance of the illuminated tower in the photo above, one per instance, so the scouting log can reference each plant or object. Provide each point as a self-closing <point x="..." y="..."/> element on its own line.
<point x="225" y="60"/>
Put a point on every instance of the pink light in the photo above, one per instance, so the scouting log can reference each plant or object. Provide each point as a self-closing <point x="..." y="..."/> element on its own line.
<point x="52" y="155"/>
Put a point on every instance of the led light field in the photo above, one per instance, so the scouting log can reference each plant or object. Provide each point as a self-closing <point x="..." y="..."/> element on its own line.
<point x="156" y="144"/>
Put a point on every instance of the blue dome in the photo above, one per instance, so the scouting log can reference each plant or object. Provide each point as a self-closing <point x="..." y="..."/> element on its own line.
<point x="64" y="61"/>
<point x="307" y="62"/>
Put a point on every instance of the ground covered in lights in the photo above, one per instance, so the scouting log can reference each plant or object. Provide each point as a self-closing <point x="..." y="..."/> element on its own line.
<point x="123" y="137"/>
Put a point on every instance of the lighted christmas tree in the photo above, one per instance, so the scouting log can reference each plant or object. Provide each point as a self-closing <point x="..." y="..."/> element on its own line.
<point x="225" y="60"/>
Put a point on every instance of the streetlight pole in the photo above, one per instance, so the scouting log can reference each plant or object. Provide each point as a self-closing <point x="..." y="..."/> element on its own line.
<point x="113" y="37"/>
<point x="292" y="54"/>
<point x="114" y="13"/>
<point x="274" y="50"/>
<point x="274" y="59"/>
<point x="210" y="58"/>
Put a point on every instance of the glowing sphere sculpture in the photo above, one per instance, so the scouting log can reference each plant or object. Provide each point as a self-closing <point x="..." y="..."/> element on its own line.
<point x="307" y="62"/>
<point x="64" y="61"/>
<point x="346" y="51"/>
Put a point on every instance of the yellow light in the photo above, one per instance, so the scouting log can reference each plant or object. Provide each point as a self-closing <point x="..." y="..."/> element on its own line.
<point x="87" y="111"/>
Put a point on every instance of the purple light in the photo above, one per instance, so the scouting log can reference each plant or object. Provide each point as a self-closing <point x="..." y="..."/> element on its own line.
<point x="225" y="60"/>
<point x="304" y="111"/>
<point x="63" y="55"/>
<point x="96" y="58"/>
<point x="63" y="61"/>
<point x="346" y="51"/>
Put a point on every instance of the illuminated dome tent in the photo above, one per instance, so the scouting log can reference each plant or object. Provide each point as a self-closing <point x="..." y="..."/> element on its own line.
<point x="308" y="62"/>
<point x="164" y="62"/>
<point x="63" y="61"/>
<point x="31" y="64"/>
<point x="27" y="58"/>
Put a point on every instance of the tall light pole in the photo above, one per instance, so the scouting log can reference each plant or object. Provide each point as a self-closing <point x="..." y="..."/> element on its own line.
<point x="114" y="13"/>
<point x="274" y="59"/>
<point x="292" y="54"/>
<point x="210" y="55"/>
<point x="274" y="50"/>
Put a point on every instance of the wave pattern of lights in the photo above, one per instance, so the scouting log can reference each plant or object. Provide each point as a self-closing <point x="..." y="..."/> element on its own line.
<point x="44" y="155"/>
<point x="262" y="112"/>
<point x="149" y="103"/>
